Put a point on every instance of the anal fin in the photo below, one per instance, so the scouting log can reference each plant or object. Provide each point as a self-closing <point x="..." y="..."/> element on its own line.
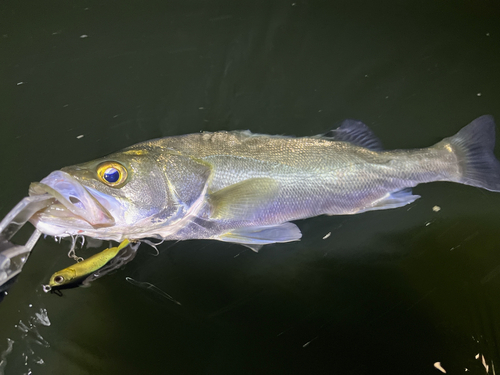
<point x="256" y="237"/>
<point x="395" y="199"/>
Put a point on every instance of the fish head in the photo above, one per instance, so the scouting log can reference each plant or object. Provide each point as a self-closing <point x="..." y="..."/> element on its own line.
<point x="129" y="194"/>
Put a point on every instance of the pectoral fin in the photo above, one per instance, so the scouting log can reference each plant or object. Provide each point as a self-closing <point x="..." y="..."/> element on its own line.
<point x="244" y="200"/>
<point x="256" y="237"/>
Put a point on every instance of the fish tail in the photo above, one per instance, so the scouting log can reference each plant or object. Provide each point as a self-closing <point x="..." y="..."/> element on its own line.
<point x="473" y="146"/>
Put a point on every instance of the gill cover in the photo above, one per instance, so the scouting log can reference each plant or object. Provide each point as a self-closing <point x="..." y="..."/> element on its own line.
<point x="186" y="180"/>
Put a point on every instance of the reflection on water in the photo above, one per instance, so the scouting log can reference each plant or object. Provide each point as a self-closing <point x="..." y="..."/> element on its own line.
<point x="387" y="292"/>
<point x="4" y="355"/>
<point x="26" y="341"/>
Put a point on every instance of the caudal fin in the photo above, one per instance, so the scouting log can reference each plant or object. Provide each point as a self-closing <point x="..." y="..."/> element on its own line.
<point x="474" y="146"/>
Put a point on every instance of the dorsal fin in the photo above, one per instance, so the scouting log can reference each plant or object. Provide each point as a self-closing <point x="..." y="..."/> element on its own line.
<point x="357" y="133"/>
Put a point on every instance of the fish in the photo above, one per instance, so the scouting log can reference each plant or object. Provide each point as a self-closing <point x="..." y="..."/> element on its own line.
<point x="79" y="270"/>
<point x="246" y="188"/>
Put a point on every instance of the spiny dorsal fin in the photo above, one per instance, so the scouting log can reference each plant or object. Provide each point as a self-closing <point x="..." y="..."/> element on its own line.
<point x="357" y="133"/>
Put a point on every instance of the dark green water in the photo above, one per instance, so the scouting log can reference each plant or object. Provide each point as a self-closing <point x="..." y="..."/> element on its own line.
<point x="389" y="292"/>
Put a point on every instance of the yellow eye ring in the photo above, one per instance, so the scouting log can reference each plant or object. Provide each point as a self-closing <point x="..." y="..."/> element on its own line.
<point x="112" y="173"/>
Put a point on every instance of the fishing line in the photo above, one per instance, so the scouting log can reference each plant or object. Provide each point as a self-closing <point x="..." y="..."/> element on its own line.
<point x="153" y="288"/>
<point x="125" y="255"/>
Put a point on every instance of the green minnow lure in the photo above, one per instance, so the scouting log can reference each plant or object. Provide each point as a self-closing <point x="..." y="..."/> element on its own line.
<point x="85" y="267"/>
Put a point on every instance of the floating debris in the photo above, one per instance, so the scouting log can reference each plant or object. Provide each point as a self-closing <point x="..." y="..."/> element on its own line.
<point x="83" y="36"/>
<point x="80" y="136"/>
<point x="310" y="341"/>
<point x="439" y="367"/>
<point x="436" y="208"/>
<point x="327" y="235"/>
<point x="486" y="367"/>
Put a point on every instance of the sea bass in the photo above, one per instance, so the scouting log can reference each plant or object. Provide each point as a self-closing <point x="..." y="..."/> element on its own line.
<point x="246" y="188"/>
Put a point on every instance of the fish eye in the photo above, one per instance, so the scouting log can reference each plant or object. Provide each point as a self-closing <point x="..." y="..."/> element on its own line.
<point x="58" y="279"/>
<point x="112" y="173"/>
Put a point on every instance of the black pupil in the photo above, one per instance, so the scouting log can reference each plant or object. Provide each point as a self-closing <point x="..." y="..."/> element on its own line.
<point x="111" y="175"/>
<point x="58" y="279"/>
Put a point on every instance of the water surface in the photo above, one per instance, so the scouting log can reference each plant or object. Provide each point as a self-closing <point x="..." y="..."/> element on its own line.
<point x="388" y="292"/>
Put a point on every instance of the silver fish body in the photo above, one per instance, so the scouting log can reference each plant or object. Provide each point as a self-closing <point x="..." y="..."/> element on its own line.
<point x="246" y="188"/>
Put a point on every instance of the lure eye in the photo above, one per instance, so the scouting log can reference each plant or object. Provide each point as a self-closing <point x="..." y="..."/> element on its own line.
<point x="58" y="279"/>
<point x="112" y="173"/>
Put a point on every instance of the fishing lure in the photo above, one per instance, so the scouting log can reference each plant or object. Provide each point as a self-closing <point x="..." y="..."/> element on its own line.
<point x="79" y="270"/>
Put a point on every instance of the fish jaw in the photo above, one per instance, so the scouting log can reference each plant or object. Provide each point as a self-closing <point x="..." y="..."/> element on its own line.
<point x="77" y="209"/>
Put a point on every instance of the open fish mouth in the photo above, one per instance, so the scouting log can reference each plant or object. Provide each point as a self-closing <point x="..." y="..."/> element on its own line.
<point x="75" y="206"/>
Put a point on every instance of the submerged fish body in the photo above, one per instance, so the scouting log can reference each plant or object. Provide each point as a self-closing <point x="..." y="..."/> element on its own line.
<point x="247" y="188"/>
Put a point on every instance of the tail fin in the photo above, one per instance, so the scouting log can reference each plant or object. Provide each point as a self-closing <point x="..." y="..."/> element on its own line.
<point x="473" y="145"/>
